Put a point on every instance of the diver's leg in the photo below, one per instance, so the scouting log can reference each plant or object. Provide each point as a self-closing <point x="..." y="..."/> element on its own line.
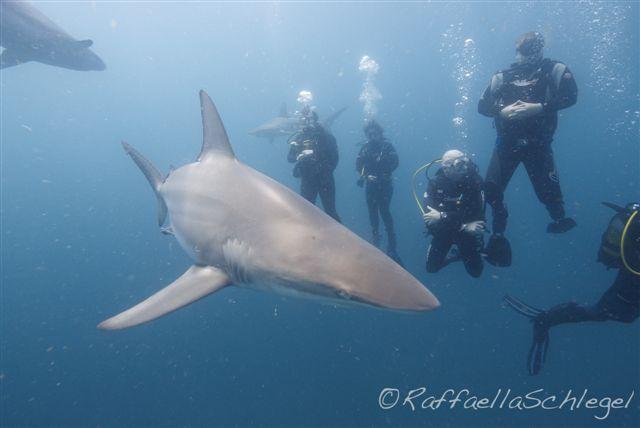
<point x="438" y="250"/>
<point x="470" y="245"/>
<point x="372" y="194"/>
<point x="543" y="174"/>
<point x="309" y="188"/>
<point x="385" y="212"/>
<point x="503" y="164"/>
<point x="385" y="195"/>
<point x="621" y="302"/>
<point x="328" y="195"/>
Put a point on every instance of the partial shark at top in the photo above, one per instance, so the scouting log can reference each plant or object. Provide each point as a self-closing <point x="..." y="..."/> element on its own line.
<point x="285" y="124"/>
<point x="26" y="34"/>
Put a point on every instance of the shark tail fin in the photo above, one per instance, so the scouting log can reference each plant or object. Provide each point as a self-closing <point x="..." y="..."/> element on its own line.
<point x="332" y="117"/>
<point x="153" y="175"/>
<point x="9" y="58"/>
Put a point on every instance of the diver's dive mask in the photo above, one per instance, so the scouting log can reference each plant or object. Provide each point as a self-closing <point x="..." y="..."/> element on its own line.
<point x="456" y="168"/>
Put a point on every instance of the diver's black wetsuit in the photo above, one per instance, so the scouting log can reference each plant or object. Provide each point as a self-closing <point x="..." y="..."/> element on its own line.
<point x="316" y="170"/>
<point x="376" y="162"/>
<point x="620" y="302"/>
<point x="460" y="201"/>
<point x="527" y="140"/>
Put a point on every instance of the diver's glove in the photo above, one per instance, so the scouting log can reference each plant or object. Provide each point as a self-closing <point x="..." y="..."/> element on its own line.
<point x="304" y="154"/>
<point x="474" y="227"/>
<point x="520" y="110"/>
<point x="432" y="217"/>
<point x="372" y="178"/>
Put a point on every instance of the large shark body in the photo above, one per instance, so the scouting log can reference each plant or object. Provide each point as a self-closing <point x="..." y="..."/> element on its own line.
<point x="243" y="228"/>
<point x="26" y="34"/>
<point x="285" y="124"/>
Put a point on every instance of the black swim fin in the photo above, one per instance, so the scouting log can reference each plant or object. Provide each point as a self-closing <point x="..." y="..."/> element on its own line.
<point x="540" y="343"/>
<point x="539" y="347"/>
<point x="521" y="307"/>
<point x="498" y="251"/>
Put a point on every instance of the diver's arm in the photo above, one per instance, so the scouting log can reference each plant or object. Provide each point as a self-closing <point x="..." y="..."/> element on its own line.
<point x="478" y="201"/>
<point x="566" y="94"/>
<point x="360" y="160"/>
<point x="450" y="219"/>
<point x="391" y="159"/>
<point x="332" y="151"/>
<point x="488" y="105"/>
<point x="295" y="147"/>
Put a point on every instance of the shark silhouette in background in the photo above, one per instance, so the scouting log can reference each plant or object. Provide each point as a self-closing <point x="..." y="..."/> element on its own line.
<point x="26" y="34"/>
<point x="286" y="124"/>
<point x="242" y="228"/>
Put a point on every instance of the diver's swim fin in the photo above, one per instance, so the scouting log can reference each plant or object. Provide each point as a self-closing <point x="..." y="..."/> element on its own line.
<point x="538" y="350"/>
<point x="498" y="251"/>
<point x="540" y="343"/>
<point x="521" y="307"/>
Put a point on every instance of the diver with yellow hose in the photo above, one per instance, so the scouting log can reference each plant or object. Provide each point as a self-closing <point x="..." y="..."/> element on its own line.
<point x="454" y="214"/>
<point x="619" y="249"/>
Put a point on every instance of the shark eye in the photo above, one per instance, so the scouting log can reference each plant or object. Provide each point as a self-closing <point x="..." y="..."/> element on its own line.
<point x="345" y="295"/>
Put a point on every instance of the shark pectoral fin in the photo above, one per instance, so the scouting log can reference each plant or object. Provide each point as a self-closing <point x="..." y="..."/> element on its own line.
<point x="10" y="58"/>
<point x="193" y="285"/>
<point x="82" y="44"/>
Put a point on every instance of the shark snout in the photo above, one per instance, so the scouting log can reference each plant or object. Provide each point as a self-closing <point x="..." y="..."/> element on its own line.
<point x="379" y="281"/>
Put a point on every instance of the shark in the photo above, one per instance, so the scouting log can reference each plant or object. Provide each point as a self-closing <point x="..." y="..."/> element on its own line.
<point x="242" y="228"/>
<point x="285" y="124"/>
<point x="26" y="34"/>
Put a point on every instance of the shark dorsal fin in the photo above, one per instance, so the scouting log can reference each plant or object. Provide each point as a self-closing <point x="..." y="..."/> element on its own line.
<point x="332" y="117"/>
<point x="215" y="141"/>
<point x="283" y="111"/>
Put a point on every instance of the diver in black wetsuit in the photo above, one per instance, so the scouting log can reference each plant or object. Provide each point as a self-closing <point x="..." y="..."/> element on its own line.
<point x="455" y="214"/>
<point x="620" y="249"/>
<point x="376" y="162"/>
<point x="315" y="153"/>
<point x="524" y="101"/>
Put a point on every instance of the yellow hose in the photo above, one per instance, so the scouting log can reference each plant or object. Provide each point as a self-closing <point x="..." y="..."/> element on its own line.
<point x="413" y="182"/>
<point x="624" y="235"/>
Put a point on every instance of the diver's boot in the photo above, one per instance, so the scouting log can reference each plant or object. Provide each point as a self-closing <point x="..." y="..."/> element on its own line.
<point x="561" y="225"/>
<point x="498" y="251"/>
<point x="391" y="248"/>
<point x="375" y="239"/>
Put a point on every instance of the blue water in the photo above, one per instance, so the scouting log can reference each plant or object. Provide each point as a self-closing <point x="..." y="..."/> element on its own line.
<point x="80" y="241"/>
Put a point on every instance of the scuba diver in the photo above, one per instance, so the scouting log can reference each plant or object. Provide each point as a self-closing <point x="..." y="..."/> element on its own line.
<point x="315" y="153"/>
<point x="524" y="101"/>
<point x="376" y="162"/>
<point x="619" y="249"/>
<point x="455" y="214"/>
